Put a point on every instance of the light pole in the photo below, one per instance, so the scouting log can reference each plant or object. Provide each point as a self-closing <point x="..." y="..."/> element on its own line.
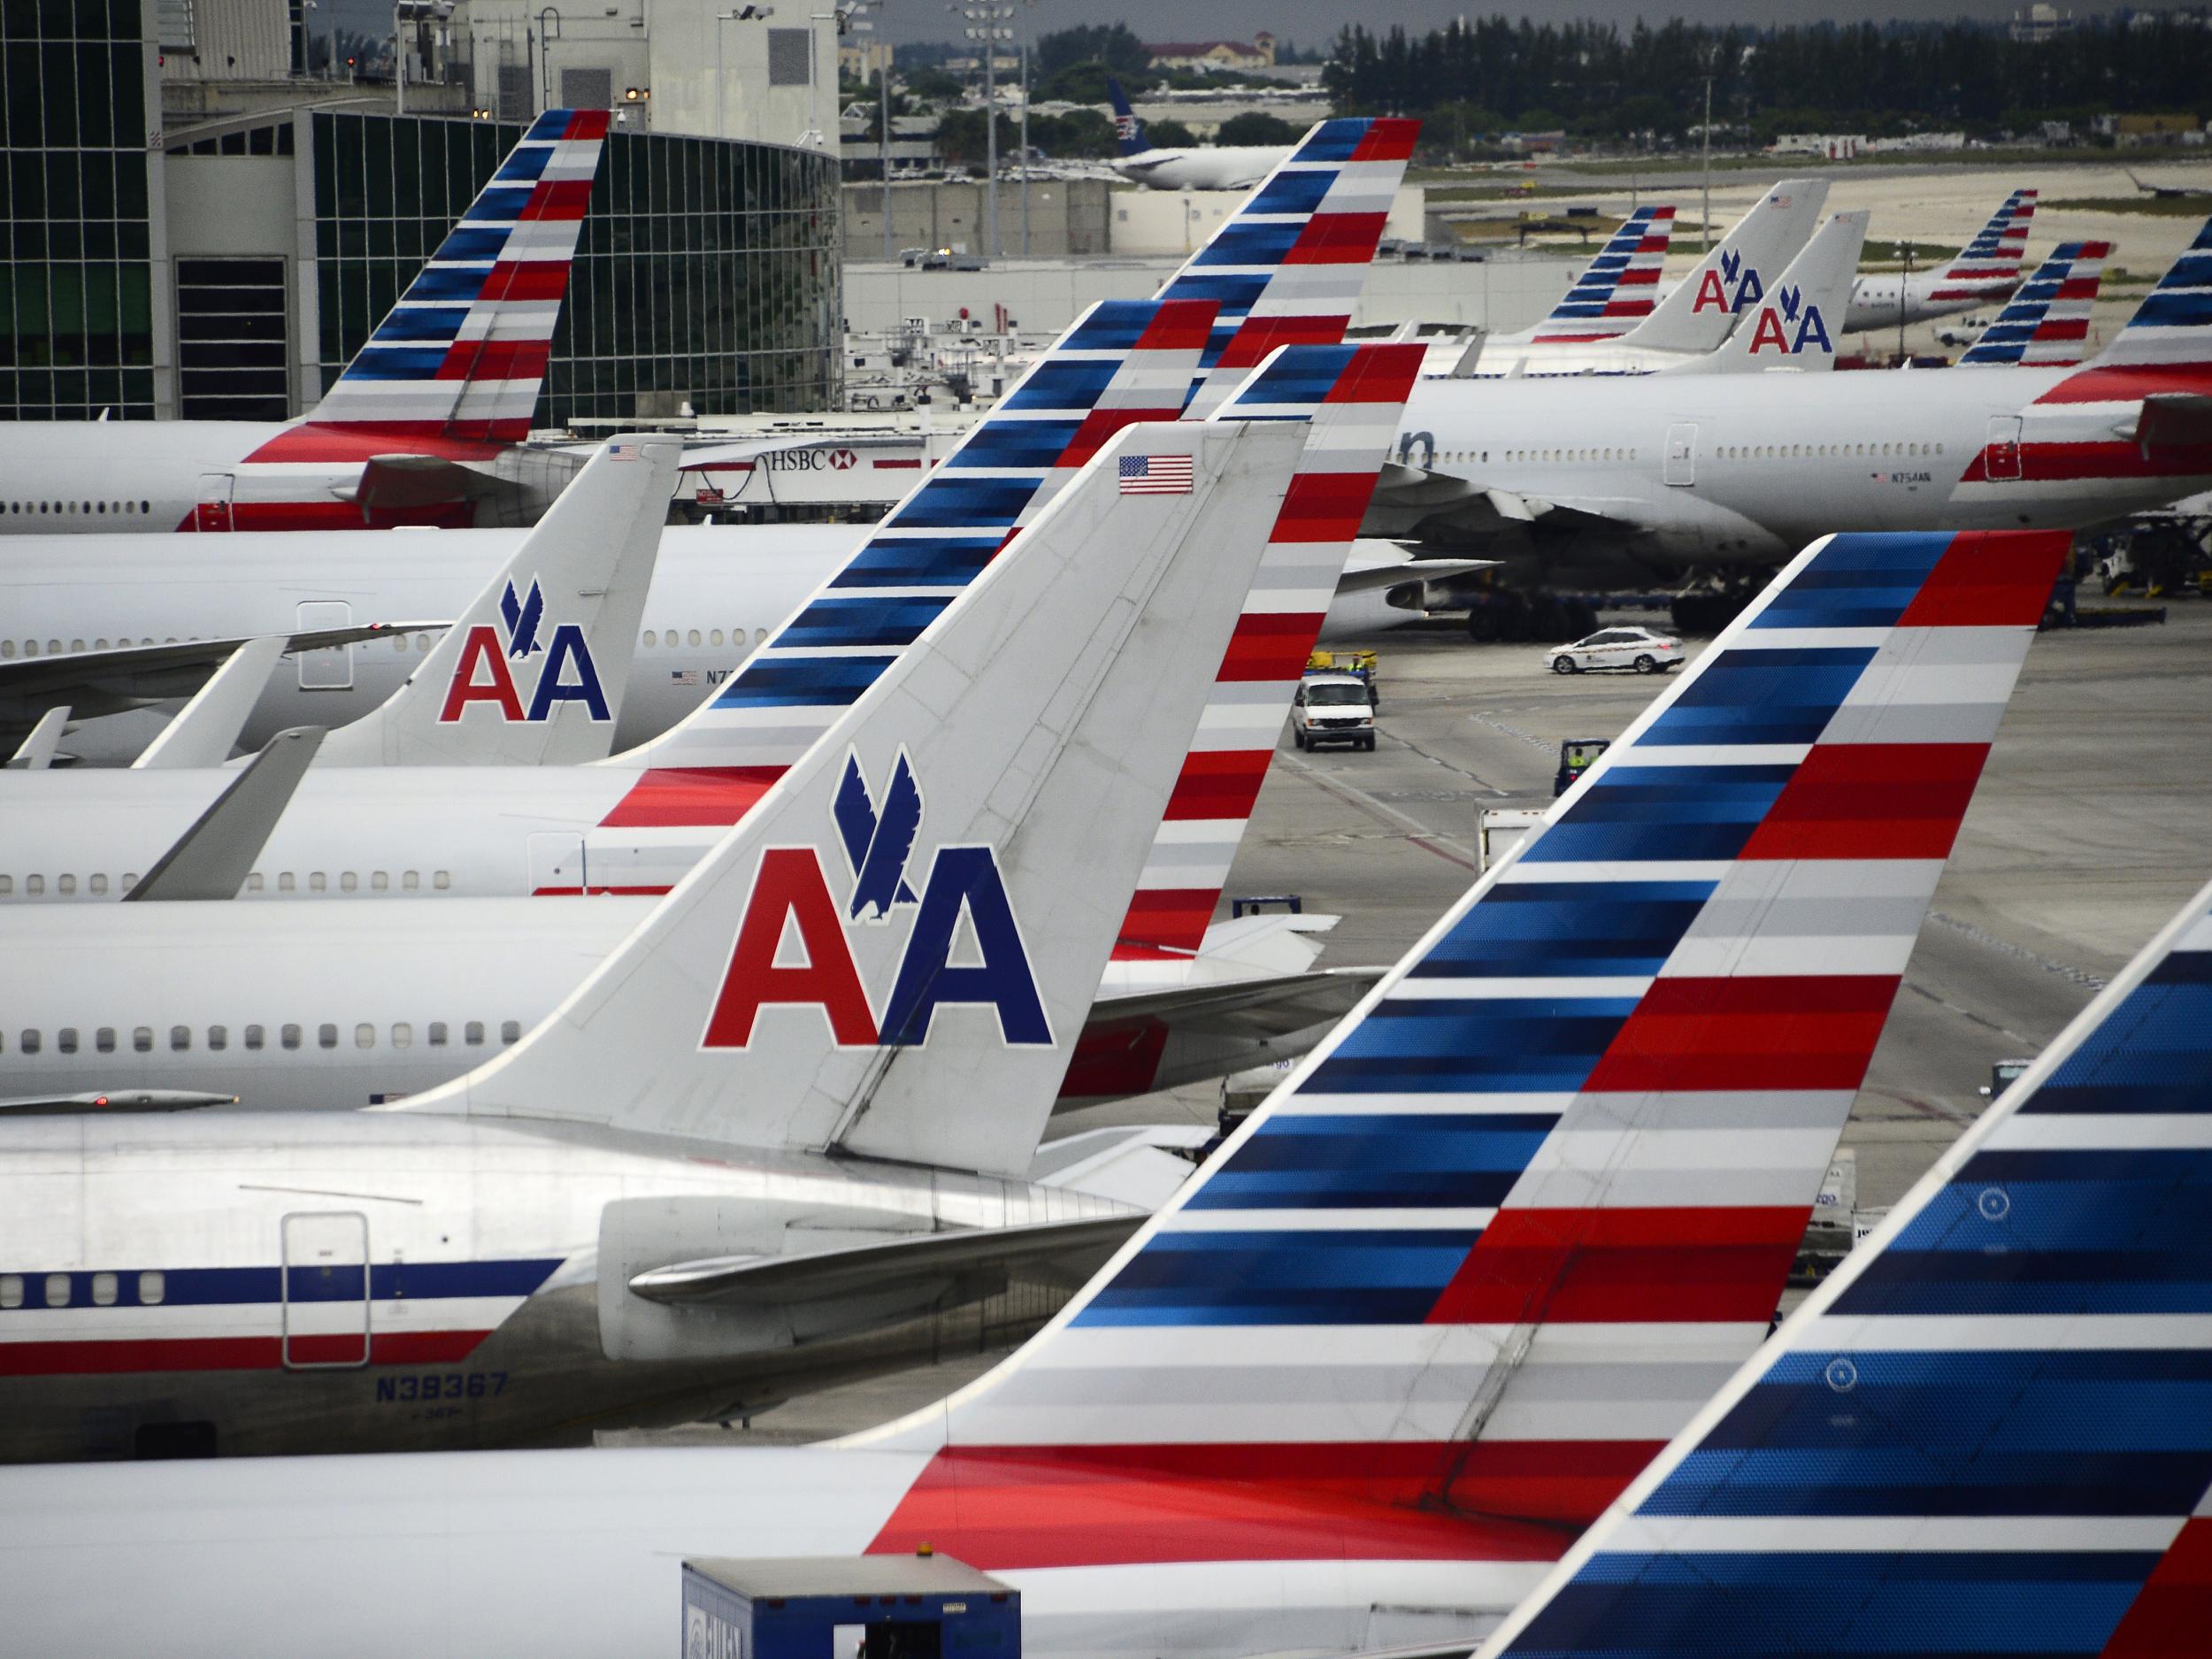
<point x="546" y="37"/>
<point x="992" y="16"/>
<point x="883" y="145"/>
<point x="1705" y="211"/>
<point x="1025" y="149"/>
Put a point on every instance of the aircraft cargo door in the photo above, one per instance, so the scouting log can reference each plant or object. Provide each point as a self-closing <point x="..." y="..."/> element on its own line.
<point x="325" y="1289"/>
<point x="329" y="670"/>
<point x="214" y="511"/>
<point x="2001" y="458"/>
<point x="556" y="862"/>
<point x="1681" y="458"/>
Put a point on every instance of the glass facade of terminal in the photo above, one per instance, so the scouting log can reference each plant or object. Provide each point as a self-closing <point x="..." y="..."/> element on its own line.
<point x="76" y="239"/>
<point x="707" y="273"/>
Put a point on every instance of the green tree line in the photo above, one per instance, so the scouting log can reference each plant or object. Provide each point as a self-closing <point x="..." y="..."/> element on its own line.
<point x="1496" y="74"/>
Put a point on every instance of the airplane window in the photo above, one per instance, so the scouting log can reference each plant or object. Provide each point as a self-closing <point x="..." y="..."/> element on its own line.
<point x="318" y="882"/>
<point x="35" y="885"/>
<point x="365" y="1036"/>
<point x="287" y="882"/>
<point x="30" y="647"/>
<point x="103" y="1039"/>
<point x="442" y="879"/>
<point x="760" y="636"/>
<point x="153" y="1285"/>
<point x="7" y="884"/>
<point x="652" y="638"/>
<point x="99" y="883"/>
<point x="472" y="1034"/>
<point x="1939" y="449"/>
<point x="7" y="648"/>
<point x="326" y="1036"/>
<point x="422" y="642"/>
<point x="99" y="645"/>
<point x="57" y="1290"/>
<point x="64" y="884"/>
<point x="511" y="1031"/>
<point x="399" y="643"/>
<point x="181" y="1038"/>
<point x="104" y="1290"/>
<point x="411" y="882"/>
<point x="714" y="637"/>
<point x="88" y="506"/>
<point x="254" y="1037"/>
<point x="218" y="1037"/>
<point x="10" y="1290"/>
<point x="76" y="645"/>
<point x="379" y="882"/>
<point x="253" y="881"/>
<point x="142" y="1040"/>
<point x="402" y="1034"/>
<point x="694" y="636"/>
<point x="348" y="882"/>
<point x="290" y="1036"/>
<point x="435" y="1035"/>
<point x="65" y="1039"/>
<point x="145" y="506"/>
<point x="102" y="508"/>
<point x="31" y="1042"/>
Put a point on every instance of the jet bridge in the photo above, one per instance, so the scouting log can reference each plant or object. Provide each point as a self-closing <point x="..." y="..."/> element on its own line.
<point x="848" y="1607"/>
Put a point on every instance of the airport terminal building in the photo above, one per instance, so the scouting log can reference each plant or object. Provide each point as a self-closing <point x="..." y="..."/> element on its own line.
<point x="227" y="266"/>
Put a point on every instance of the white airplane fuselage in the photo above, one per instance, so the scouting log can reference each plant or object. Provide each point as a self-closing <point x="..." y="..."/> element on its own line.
<point x="1883" y="302"/>
<point x="1198" y="168"/>
<point x="163" y="1277"/>
<point x="1717" y="469"/>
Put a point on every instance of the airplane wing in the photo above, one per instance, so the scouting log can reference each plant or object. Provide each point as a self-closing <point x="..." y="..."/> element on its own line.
<point x="1407" y="497"/>
<point x="212" y="859"/>
<point x="737" y="1281"/>
<point x="132" y="676"/>
<point x="1389" y="567"/>
<point x="1217" y="1006"/>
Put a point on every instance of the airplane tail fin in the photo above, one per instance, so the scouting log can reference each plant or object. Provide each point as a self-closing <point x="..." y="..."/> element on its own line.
<point x="1287" y="266"/>
<point x="1123" y="361"/>
<point x="1989" y="266"/>
<point x="1621" y="285"/>
<point x="533" y="672"/>
<point x="1497" y="1238"/>
<point x="1734" y="275"/>
<point x="462" y="355"/>
<point x="1984" y="1432"/>
<point x="1129" y="139"/>
<point x="2045" y="324"/>
<point x="1352" y="396"/>
<point x="2172" y="327"/>
<point x="1797" y="324"/>
<point x="893" y="954"/>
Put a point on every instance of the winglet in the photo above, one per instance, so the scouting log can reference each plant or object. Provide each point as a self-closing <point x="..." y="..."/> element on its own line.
<point x="1039" y="721"/>
<point x="212" y="858"/>
<point x="36" y="752"/>
<point x="534" y="673"/>
<point x="206" y="729"/>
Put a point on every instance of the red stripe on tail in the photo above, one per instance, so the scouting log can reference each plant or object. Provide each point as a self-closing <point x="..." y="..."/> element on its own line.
<point x="1990" y="580"/>
<point x="1778" y="1032"/>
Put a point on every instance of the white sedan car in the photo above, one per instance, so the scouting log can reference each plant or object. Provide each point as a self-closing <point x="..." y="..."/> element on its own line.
<point x="1640" y="649"/>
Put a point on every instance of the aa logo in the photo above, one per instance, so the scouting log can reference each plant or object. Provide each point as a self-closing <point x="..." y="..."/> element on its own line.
<point x="1790" y="326"/>
<point x="794" y="948"/>
<point x="1731" y="288"/>
<point x="486" y="671"/>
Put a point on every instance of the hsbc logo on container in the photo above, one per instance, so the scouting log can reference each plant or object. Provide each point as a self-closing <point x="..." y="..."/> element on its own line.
<point x="559" y="670"/>
<point x="837" y="460"/>
<point x="795" y="949"/>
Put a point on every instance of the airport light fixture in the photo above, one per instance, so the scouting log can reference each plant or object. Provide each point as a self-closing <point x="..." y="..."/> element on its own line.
<point x="990" y="21"/>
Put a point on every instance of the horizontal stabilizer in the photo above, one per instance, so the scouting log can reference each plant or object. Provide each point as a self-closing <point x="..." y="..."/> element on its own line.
<point x="391" y="483"/>
<point x="212" y="859"/>
<point x="2172" y="419"/>
<point x="736" y="1281"/>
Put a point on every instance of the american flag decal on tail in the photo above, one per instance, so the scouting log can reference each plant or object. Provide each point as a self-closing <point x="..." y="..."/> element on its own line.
<point x="1156" y="475"/>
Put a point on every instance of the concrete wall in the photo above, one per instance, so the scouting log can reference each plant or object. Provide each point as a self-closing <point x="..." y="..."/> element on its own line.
<point x="1044" y="297"/>
<point x="1066" y="217"/>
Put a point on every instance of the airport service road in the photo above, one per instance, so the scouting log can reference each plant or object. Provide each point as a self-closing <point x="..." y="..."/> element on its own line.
<point x="2093" y="824"/>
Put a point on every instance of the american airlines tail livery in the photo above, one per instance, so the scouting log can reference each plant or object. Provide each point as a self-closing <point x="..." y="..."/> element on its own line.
<point x="1718" y="470"/>
<point x="1687" y="324"/>
<point x="421" y="427"/>
<point x="1794" y="324"/>
<point x="1984" y="1432"/>
<point x="1986" y="271"/>
<point x="1363" y="1378"/>
<point x="2045" y="324"/>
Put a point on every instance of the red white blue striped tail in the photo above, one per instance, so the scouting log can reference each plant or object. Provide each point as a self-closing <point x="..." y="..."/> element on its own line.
<point x="1990" y="1431"/>
<point x="1988" y="267"/>
<point x="1287" y="266"/>
<point x="1621" y="285"/>
<point x="464" y="352"/>
<point x="1498" y="1238"/>
<point x="1352" y="396"/>
<point x="2173" y="326"/>
<point x="2046" y="323"/>
<point x="1123" y="361"/>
